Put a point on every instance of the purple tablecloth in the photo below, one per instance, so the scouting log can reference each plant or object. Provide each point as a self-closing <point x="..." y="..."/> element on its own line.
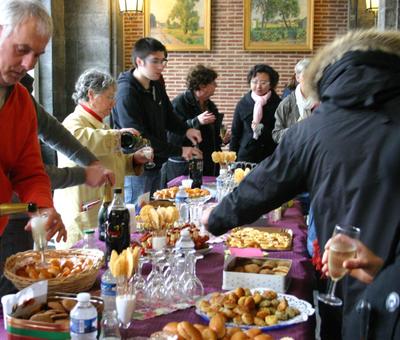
<point x="210" y="272"/>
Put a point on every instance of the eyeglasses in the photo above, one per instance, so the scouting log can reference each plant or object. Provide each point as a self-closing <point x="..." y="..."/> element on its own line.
<point x="162" y="62"/>
<point x="260" y="82"/>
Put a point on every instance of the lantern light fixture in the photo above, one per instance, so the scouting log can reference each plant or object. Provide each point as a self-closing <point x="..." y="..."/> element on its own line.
<point x="131" y="5"/>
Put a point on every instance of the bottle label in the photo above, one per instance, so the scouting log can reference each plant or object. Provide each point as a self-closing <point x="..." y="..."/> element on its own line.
<point x="79" y="326"/>
<point x="108" y="289"/>
<point x="180" y="199"/>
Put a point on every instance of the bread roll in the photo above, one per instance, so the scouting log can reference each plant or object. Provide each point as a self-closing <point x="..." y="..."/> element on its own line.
<point x="264" y="337"/>
<point x="171" y="327"/>
<point x="217" y="324"/>
<point x="239" y="336"/>
<point x="208" y="334"/>
<point x="187" y="331"/>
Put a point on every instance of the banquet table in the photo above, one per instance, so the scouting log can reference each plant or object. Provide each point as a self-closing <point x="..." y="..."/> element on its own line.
<point x="209" y="271"/>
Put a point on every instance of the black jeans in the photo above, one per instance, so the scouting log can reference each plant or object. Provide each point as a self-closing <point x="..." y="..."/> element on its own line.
<point x="14" y="239"/>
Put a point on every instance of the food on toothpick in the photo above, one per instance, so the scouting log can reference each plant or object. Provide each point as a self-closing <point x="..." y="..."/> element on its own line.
<point x="223" y="157"/>
<point x="239" y="174"/>
<point x="158" y="218"/>
<point x="124" y="264"/>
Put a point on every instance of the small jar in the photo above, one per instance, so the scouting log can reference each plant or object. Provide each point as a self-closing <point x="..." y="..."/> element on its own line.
<point x="89" y="240"/>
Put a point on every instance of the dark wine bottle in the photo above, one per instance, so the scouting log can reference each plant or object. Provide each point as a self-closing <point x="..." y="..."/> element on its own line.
<point x="130" y="141"/>
<point x="196" y="171"/>
<point x="17" y="208"/>
<point x="102" y="216"/>
<point x="117" y="225"/>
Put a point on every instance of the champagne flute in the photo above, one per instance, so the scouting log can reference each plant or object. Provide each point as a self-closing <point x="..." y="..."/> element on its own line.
<point x="148" y="152"/>
<point x="38" y="225"/>
<point x="341" y="248"/>
<point x="222" y="131"/>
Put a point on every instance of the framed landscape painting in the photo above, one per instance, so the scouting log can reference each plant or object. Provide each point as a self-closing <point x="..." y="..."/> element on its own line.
<point x="181" y="25"/>
<point x="278" y="25"/>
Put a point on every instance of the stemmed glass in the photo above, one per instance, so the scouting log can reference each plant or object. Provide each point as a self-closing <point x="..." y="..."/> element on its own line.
<point x="38" y="224"/>
<point x="222" y="131"/>
<point x="342" y="247"/>
<point x="148" y="153"/>
<point x="139" y="282"/>
<point x="193" y="288"/>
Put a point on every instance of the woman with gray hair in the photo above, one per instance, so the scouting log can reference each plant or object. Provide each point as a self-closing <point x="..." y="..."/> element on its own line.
<point x="295" y="106"/>
<point x="94" y="96"/>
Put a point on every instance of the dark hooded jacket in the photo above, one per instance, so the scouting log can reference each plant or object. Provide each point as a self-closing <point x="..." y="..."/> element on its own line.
<point x="187" y="108"/>
<point x="148" y="111"/>
<point x="347" y="155"/>
<point x="247" y="148"/>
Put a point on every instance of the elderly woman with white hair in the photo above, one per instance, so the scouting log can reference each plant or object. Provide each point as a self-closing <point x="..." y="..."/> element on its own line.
<point x="295" y="106"/>
<point x="94" y="96"/>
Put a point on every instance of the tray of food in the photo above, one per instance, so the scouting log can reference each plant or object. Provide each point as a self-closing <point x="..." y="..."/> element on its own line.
<point x="216" y="329"/>
<point x="173" y="235"/>
<point x="255" y="272"/>
<point x="259" y="307"/>
<point x="267" y="238"/>
<point x="170" y="193"/>
<point x="48" y="320"/>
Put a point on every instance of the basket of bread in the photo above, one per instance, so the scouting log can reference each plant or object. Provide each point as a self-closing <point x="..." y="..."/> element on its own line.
<point x="68" y="271"/>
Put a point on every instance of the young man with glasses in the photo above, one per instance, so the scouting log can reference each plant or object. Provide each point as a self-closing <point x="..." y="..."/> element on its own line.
<point x="142" y="103"/>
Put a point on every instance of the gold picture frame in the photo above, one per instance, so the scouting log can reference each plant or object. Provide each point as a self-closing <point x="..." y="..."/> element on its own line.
<point x="163" y="21"/>
<point x="271" y="27"/>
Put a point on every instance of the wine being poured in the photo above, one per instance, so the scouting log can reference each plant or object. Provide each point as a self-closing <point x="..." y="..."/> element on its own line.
<point x="38" y="224"/>
<point x="148" y="152"/>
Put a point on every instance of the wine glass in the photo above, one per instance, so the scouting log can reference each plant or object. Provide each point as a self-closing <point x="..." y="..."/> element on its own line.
<point x="222" y="131"/>
<point x="193" y="287"/>
<point x="38" y="225"/>
<point x="148" y="152"/>
<point x="341" y="248"/>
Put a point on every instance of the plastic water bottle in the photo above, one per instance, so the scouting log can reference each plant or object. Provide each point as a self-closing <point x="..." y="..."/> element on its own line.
<point x="89" y="241"/>
<point x="108" y="290"/>
<point x="185" y="242"/>
<point x="182" y="205"/>
<point x="83" y="319"/>
<point x="110" y="326"/>
<point x="220" y="183"/>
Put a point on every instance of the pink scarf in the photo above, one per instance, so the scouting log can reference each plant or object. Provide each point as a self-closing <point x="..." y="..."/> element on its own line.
<point x="260" y="101"/>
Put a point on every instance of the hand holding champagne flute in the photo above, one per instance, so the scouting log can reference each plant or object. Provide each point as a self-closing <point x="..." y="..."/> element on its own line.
<point x="342" y="246"/>
<point x="148" y="153"/>
<point x="38" y="225"/>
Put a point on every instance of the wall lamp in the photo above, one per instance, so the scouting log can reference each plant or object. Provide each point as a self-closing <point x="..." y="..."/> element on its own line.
<point x="131" y="5"/>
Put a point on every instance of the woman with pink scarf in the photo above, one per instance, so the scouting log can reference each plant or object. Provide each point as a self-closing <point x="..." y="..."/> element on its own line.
<point x="253" y="120"/>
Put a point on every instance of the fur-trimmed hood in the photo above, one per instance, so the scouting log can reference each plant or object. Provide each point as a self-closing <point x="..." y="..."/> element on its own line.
<point x="387" y="42"/>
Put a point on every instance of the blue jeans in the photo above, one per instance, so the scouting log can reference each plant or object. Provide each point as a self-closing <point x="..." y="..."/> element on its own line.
<point x="135" y="186"/>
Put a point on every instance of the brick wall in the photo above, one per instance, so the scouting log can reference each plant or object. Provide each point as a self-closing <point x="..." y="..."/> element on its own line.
<point x="227" y="55"/>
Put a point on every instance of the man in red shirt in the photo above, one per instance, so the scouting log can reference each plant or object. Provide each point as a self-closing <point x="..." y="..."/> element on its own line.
<point x="25" y="29"/>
